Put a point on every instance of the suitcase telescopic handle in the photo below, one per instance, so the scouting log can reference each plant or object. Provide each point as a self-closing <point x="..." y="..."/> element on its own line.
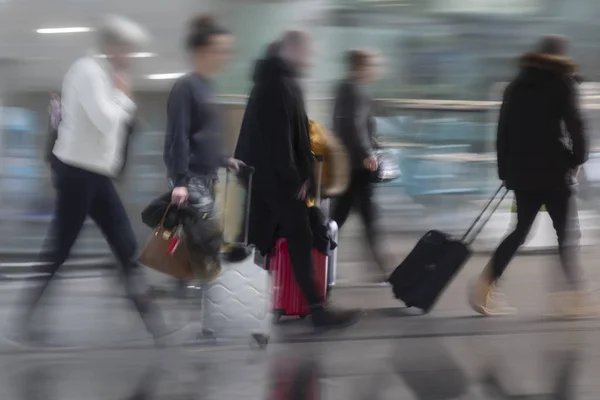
<point x="320" y="159"/>
<point x="476" y="227"/>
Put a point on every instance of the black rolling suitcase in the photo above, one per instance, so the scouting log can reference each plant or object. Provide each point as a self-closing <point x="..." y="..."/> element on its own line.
<point x="432" y="264"/>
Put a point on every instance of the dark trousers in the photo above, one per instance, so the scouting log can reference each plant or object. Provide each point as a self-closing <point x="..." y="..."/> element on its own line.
<point x="294" y="226"/>
<point x="80" y="194"/>
<point x="359" y="196"/>
<point x="561" y="208"/>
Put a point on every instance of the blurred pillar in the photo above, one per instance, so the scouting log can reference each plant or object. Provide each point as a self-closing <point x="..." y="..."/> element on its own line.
<point x="7" y="74"/>
<point x="233" y="113"/>
<point x="255" y="24"/>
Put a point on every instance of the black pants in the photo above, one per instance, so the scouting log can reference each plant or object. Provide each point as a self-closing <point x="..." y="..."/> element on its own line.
<point x="294" y="226"/>
<point x="561" y="208"/>
<point x="80" y="194"/>
<point x="360" y="196"/>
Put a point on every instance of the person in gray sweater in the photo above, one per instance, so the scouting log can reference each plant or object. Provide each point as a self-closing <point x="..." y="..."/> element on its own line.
<point x="355" y="125"/>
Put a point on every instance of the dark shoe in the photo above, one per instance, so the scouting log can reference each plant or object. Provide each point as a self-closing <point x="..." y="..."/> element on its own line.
<point x="324" y="319"/>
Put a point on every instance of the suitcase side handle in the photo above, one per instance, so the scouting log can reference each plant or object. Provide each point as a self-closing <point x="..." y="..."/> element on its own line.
<point x="476" y="227"/>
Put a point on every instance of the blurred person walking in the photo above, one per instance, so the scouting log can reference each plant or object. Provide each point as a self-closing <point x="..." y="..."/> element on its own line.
<point x="274" y="139"/>
<point x="539" y="161"/>
<point x="193" y="150"/>
<point x="96" y="106"/>
<point x="354" y="123"/>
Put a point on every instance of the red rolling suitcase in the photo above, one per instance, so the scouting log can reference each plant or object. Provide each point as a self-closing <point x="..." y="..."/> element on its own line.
<point x="288" y="299"/>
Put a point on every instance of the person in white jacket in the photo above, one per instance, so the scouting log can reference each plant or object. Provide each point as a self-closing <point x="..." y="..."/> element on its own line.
<point x="88" y="153"/>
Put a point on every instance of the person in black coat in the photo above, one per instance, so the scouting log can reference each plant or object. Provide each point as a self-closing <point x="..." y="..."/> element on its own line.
<point x="274" y="140"/>
<point x="354" y="123"/>
<point x="539" y="160"/>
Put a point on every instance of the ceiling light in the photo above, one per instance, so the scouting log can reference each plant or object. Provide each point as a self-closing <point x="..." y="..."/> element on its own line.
<point x="173" y="75"/>
<point x="142" y="55"/>
<point x="72" y="29"/>
<point x="132" y="55"/>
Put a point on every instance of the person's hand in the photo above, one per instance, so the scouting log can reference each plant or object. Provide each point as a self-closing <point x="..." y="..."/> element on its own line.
<point x="303" y="191"/>
<point x="370" y="163"/>
<point x="122" y="83"/>
<point x="179" y="196"/>
<point x="235" y="165"/>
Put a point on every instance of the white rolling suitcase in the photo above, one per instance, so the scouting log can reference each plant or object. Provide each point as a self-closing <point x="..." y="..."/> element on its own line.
<point x="236" y="305"/>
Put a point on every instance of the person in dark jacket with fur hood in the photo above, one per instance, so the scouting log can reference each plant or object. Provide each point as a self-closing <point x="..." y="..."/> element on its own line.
<point x="541" y="145"/>
<point x="274" y="140"/>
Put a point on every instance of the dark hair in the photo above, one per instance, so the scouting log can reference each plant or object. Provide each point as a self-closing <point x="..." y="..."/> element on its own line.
<point x="201" y="30"/>
<point x="273" y="49"/>
<point x="357" y="59"/>
<point x="555" y="45"/>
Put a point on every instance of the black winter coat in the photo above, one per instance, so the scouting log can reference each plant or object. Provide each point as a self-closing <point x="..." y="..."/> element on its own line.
<point x="541" y="137"/>
<point x="274" y="140"/>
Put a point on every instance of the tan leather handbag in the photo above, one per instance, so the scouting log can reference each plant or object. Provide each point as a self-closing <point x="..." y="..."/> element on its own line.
<point x="156" y="254"/>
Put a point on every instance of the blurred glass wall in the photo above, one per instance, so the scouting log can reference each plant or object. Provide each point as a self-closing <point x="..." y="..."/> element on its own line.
<point x="442" y="60"/>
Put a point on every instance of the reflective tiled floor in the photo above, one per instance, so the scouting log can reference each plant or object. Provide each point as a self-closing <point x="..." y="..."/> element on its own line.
<point x="100" y="351"/>
<point x="549" y="365"/>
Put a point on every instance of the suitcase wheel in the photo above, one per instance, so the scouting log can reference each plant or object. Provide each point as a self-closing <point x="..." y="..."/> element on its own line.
<point x="261" y="340"/>
<point x="303" y="316"/>
<point x="277" y="314"/>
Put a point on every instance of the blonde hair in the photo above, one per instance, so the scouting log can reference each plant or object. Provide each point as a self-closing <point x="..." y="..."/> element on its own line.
<point x="115" y="30"/>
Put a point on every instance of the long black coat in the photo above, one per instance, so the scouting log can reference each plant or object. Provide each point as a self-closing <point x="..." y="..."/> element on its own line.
<point x="274" y="140"/>
<point x="541" y="137"/>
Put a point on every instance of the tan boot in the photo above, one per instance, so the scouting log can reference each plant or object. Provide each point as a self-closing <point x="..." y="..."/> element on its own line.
<point x="573" y="304"/>
<point x="486" y="299"/>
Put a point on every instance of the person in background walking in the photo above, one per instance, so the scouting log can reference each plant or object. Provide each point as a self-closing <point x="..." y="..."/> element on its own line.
<point x="274" y="139"/>
<point x="539" y="161"/>
<point x="96" y="106"/>
<point x="54" y="110"/>
<point x="354" y="123"/>
<point x="54" y="118"/>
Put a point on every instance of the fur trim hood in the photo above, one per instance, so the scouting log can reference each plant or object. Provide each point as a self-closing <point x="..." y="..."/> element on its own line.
<point x="557" y="64"/>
